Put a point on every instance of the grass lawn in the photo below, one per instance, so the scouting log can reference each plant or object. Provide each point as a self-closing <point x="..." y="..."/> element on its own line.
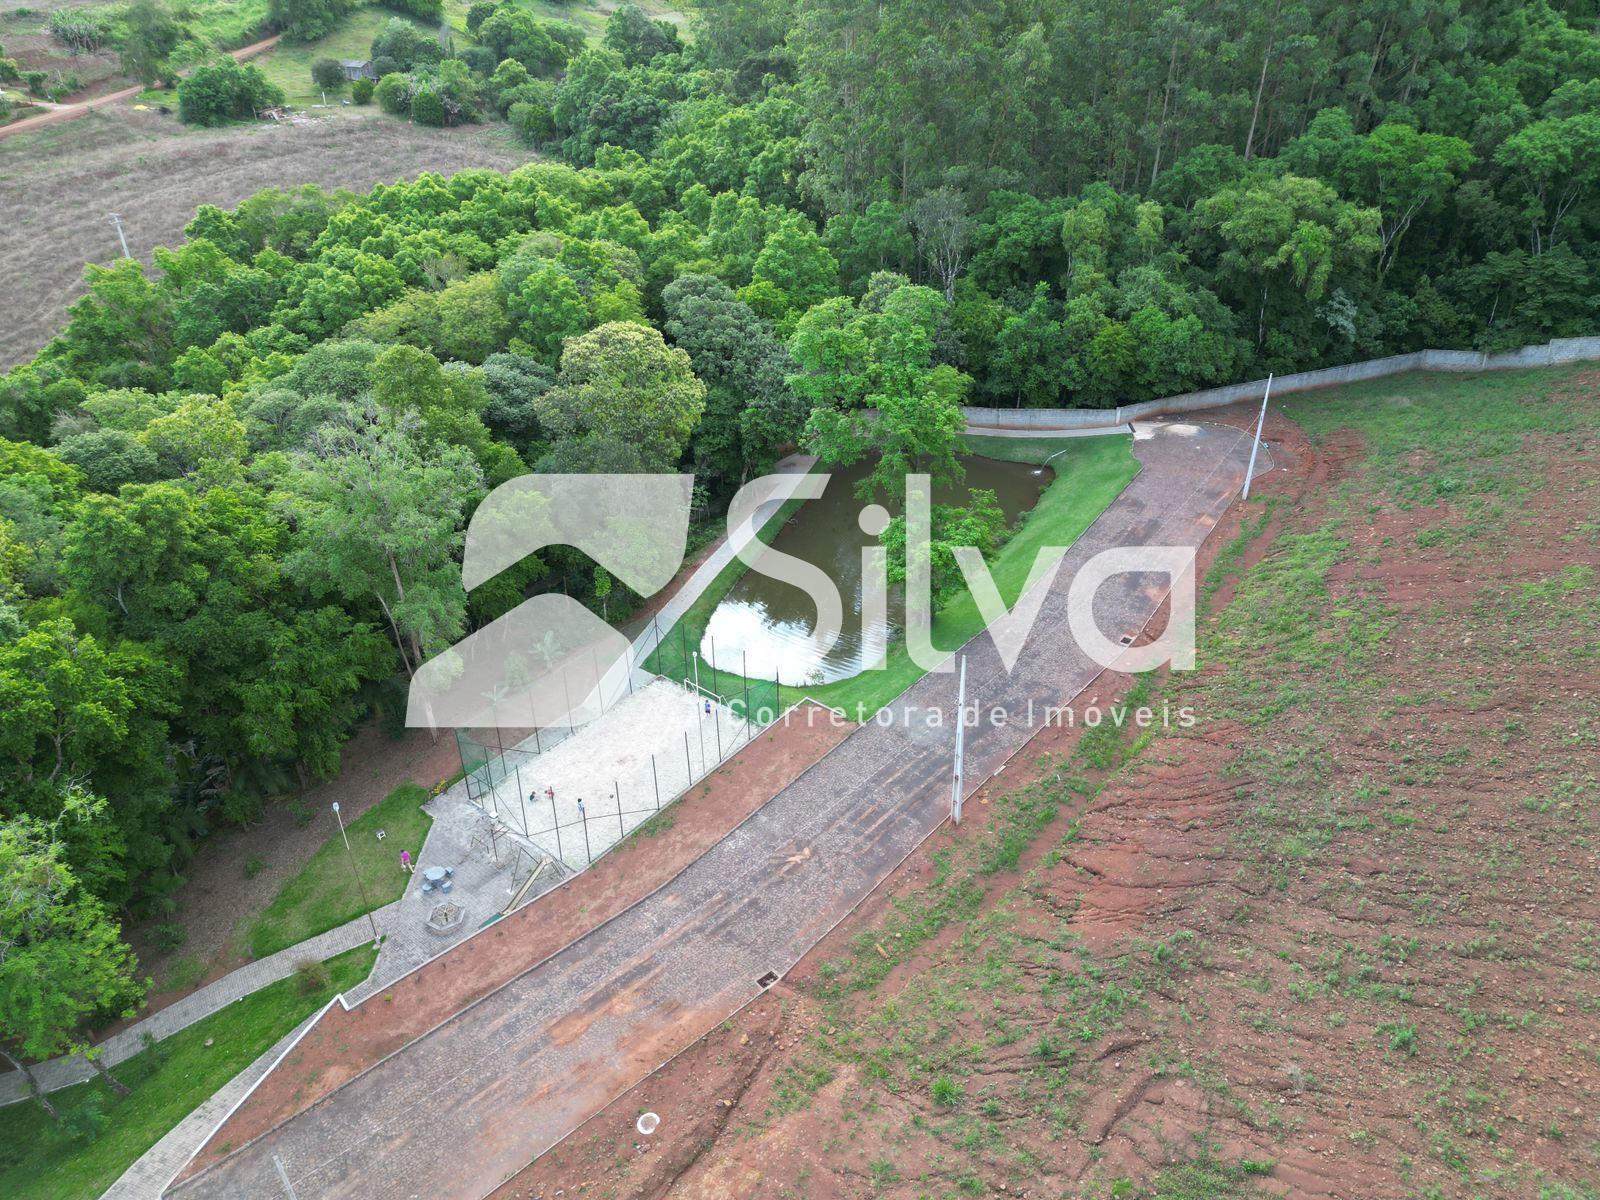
<point x="323" y="896"/>
<point x="288" y="64"/>
<point x="42" y="1160"/>
<point x="1090" y="473"/>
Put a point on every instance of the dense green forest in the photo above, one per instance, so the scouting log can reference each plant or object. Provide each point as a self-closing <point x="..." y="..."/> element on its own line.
<point x="233" y="488"/>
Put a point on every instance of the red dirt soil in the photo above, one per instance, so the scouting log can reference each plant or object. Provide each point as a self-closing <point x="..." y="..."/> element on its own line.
<point x="346" y="1043"/>
<point x="1283" y="1046"/>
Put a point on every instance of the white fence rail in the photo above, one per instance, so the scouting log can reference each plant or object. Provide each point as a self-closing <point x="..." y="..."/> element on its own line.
<point x="1553" y="353"/>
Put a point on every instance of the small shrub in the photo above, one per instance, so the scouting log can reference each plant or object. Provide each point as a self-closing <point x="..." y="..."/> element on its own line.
<point x="946" y="1092"/>
<point x="427" y="108"/>
<point x="327" y="74"/>
<point x="149" y="1044"/>
<point x="393" y="94"/>
<point x="311" y="976"/>
<point x="64" y="86"/>
<point x="301" y="812"/>
<point x="223" y="92"/>
<point x="1402" y="1036"/>
<point x="533" y="123"/>
<point x="167" y="937"/>
<point x="254" y="865"/>
<point x="83" y="1121"/>
<point x="184" y="973"/>
<point x="240" y="808"/>
<point x="361" y="91"/>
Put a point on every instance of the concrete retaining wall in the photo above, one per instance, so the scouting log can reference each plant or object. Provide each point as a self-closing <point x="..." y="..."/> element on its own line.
<point x="1554" y="353"/>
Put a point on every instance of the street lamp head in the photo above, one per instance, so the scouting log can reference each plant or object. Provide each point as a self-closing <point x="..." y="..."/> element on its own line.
<point x="335" y="806"/>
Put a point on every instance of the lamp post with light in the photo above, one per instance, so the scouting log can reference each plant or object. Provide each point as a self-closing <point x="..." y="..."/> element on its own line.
<point x="361" y="887"/>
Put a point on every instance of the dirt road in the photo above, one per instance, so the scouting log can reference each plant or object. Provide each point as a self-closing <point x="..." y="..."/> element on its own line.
<point x="67" y="112"/>
<point x="461" y="1109"/>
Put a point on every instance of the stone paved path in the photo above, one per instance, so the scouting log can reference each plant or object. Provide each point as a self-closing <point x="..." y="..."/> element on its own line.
<point x="63" y="1072"/>
<point x="407" y="945"/>
<point x="461" y="1109"/>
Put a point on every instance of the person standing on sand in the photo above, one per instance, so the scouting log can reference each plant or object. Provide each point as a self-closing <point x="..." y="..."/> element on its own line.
<point x="405" y="861"/>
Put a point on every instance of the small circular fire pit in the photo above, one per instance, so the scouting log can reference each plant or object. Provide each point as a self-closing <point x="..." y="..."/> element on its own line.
<point x="445" y="918"/>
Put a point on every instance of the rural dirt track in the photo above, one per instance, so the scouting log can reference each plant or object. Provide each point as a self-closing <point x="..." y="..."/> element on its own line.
<point x="58" y="183"/>
<point x="461" y="1109"/>
<point x="67" y="112"/>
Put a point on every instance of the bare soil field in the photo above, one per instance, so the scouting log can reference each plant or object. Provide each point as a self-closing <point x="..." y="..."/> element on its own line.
<point x="58" y="184"/>
<point x="1339" y="939"/>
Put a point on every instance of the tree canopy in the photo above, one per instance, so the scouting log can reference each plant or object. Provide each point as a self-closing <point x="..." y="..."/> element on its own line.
<point x="234" y="486"/>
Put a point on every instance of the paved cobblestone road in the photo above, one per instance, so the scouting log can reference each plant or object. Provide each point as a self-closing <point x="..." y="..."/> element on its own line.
<point x="458" y="1111"/>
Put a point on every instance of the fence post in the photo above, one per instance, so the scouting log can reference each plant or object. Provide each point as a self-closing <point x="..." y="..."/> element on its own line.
<point x="687" y="760"/>
<point x="700" y="723"/>
<point x="716" y="723"/>
<point x="621" y="833"/>
<point x="555" y="823"/>
<point x="522" y="800"/>
<point x="583" y="819"/>
<point x="655" y="781"/>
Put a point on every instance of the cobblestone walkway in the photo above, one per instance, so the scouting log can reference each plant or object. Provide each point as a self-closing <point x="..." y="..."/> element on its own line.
<point x="461" y="1109"/>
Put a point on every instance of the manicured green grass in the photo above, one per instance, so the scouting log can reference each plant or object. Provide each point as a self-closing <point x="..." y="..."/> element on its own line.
<point x="323" y="895"/>
<point x="1090" y="473"/>
<point x="43" y="1160"/>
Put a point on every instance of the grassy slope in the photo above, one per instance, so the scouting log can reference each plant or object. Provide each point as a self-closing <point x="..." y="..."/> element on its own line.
<point x="288" y="64"/>
<point x="1297" y="660"/>
<point x="40" y="1161"/>
<point x="323" y="896"/>
<point x="1090" y="473"/>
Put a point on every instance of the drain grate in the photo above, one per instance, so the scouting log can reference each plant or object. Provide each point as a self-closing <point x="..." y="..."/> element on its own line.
<point x="767" y="980"/>
<point x="1126" y="639"/>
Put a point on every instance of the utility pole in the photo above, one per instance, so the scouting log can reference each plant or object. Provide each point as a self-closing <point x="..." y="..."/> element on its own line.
<point x="117" y="221"/>
<point x="961" y="744"/>
<point x="360" y="887"/>
<point x="1256" y="445"/>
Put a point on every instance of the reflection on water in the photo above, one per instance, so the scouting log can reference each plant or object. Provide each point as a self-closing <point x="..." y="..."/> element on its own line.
<point x="763" y="627"/>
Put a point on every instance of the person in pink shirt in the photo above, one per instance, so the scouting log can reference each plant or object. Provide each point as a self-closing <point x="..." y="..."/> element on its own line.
<point x="405" y="861"/>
